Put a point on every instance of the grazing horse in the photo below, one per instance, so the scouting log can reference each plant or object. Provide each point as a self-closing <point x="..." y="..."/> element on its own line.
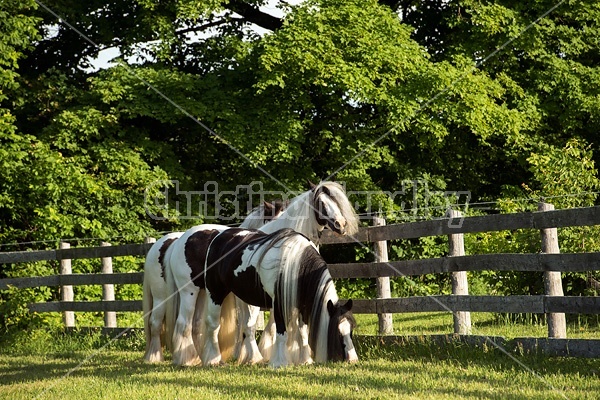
<point x="155" y="289"/>
<point x="323" y="205"/>
<point x="283" y="271"/>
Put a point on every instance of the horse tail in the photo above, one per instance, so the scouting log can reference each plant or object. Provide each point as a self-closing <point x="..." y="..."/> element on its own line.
<point x="265" y="345"/>
<point x="228" y="332"/>
<point x="147" y="308"/>
<point x="172" y="307"/>
<point x="198" y="326"/>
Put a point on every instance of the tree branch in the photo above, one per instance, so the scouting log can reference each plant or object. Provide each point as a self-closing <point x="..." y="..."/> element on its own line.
<point x="254" y="15"/>
<point x="202" y="27"/>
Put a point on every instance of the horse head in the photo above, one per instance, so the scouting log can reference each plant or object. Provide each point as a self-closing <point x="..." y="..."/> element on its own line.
<point x="333" y="209"/>
<point x="339" y="335"/>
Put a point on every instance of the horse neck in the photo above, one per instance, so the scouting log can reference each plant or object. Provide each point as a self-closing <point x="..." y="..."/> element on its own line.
<point x="254" y="220"/>
<point x="298" y="216"/>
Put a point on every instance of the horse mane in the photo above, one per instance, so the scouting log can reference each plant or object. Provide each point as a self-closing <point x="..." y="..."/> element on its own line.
<point x="305" y="286"/>
<point x="265" y="242"/>
<point x="299" y="214"/>
<point x="258" y="216"/>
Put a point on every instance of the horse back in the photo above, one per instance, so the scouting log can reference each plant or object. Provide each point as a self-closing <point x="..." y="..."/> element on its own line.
<point x="196" y="247"/>
<point x="233" y="263"/>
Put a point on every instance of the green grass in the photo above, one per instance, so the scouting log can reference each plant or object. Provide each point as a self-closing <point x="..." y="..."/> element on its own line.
<point x="54" y="365"/>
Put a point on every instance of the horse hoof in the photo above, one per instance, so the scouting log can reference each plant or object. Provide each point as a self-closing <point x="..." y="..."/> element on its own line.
<point x="192" y="363"/>
<point x="219" y="363"/>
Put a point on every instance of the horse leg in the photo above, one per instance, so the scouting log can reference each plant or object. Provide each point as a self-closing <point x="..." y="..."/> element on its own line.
<point x="154" y="351"/>
<point x="184" y="352"/>
<point x="249" y="353"/>
<point x="279" y="357"/>
<point x="150" y="305"/>
<point x="211" y="355"/>
<point x="305" y="357"/>
<point x="242" y="316"/>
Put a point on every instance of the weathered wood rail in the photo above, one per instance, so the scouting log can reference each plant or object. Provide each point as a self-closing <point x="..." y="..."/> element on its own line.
<point x="458" y="304"/>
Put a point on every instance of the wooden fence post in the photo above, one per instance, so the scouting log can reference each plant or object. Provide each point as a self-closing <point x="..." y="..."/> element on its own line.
<point x="557" y="326"/>
<point x="66" y="291"/>
<point x="460" y="286"/>
<point x="108" y="291"/>
<point x="386" y="326"/>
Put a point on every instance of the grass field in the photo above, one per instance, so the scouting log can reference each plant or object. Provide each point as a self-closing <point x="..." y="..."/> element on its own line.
<point x="52" y="365"/>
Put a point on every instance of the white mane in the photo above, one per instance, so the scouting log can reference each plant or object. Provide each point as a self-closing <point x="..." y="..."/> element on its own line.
<point x="292" y="249"/>
<point x="299" y="214"/>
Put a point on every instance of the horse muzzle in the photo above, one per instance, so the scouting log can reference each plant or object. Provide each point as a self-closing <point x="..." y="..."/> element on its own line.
<point x="337" y="227"/>
<point x="352" y="357"/>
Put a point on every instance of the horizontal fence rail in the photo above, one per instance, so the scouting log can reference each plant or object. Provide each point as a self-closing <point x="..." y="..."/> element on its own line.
<point x="586" y="216"/>
<point x="540" y="262"/>
<point x="75" y="253"/>
<point x="122" y="278"/>
<point x="533" y="220"/>
<point x="499" y="304"/>
<point x="89" y="306"/>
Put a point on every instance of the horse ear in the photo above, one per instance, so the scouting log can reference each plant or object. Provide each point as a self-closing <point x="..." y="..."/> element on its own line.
<point x="348" y="305"/>
<point x="311" y="185"/>
<point x="330" y="308"/>
<point x="268" y="207"/>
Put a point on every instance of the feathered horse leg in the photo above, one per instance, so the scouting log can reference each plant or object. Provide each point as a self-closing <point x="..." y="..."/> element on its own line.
<point x="154" y="312"/>
<point x="279" y="357"/>
<point x="184" y="352"/>
<point x="267" y="339"/>
<point x="211" y="354"/>
<point x="305" y="357"/>
<point x="249" y="353"/>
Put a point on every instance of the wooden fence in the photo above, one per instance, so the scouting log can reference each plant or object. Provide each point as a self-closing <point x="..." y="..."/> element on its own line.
<point x="549" y="261"/>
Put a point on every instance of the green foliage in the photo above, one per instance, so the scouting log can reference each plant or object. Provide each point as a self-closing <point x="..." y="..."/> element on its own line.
<point x="566" y="177"/>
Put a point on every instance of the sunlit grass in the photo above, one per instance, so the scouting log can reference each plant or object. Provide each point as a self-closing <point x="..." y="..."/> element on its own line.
<point x="52" y="364"/>
<point x="419" y="370"/>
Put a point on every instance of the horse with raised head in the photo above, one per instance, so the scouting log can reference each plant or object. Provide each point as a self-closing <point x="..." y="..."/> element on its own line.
<point x="283" y="271"/>
<point x="155" y="288"/>
<point x="309" y="213"/>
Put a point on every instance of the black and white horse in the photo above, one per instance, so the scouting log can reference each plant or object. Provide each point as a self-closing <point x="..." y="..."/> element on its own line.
<point x="283" y="271"/>
<point x="309" y="213"/>
<point x="323" y="205"/>
<point x="155" y="289"/>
